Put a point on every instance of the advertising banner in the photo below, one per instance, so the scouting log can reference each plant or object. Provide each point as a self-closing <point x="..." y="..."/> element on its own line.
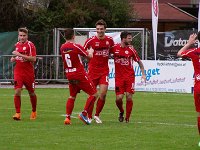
<point x="169" y="43"/>
<point x="161" y="76"/>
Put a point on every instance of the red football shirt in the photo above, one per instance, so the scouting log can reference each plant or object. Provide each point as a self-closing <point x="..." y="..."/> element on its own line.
<point x="123" y="58"/>
<point x="194" y="54"/>
<point x="71" y="53"/>
<point x="23" y="66"/>
<point x="99" y="63"/>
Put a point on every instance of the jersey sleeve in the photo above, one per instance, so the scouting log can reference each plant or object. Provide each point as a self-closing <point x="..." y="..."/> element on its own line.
<point x="112" y="42"/>
<point x="190" y="53"/>
<point x="135" y="55"/>
<point x="87" y="44"/>
<point x="32" y="49"/>
<point x="111" y="51"/>
<point x="81" y="50"/>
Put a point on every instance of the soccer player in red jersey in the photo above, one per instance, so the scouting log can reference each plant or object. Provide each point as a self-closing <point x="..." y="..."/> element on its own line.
<point x="124" y="54"/>
<point x="98" y="69"/>
<point x="24" y="57"/>
<point x="194" y="55"/>
<point x="77" y="76"/>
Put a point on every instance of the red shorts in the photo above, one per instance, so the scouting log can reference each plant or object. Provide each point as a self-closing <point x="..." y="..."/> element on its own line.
<point x="27" y="81"/>
<point x="81" y="82"/>
<point x="124" y="85"/>
<point x="102" y="79"/>
<point x="197" y="96"/>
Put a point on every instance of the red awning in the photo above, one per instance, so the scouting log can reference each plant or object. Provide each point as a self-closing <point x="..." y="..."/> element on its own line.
<point x="167" y="13"/>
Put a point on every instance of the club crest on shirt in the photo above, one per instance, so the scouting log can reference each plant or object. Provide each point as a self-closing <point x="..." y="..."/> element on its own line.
<point x="126" y="52"/>
<point x="117" y="51"/>
<point x="107" y="43"/>
<point x="24" y="48"/>
<point x="97" y="44"/>
<point x="198" y="77"/>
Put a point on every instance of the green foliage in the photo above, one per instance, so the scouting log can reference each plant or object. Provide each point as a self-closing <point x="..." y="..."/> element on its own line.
<point x="65" y="13"/>
<point x="11" y="15"/>
<point x="120" y="13"/>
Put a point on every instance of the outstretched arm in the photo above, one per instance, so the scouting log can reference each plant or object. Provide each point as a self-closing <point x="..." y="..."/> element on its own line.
<point x="142" y="69"/>
<point x="192" y="40"/>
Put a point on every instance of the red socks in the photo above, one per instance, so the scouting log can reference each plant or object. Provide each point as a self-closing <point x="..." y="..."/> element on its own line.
<point x="69" y="107"/>
<point x="119" y="104"/>
<point x="100" y="104"/>
<point x="90" y="105"/>
<point x="17" y="102"/>
<point x="33" y="102"/>
<point x="129" y="106"/>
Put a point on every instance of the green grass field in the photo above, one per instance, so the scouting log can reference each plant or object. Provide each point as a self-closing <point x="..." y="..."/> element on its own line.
<point x="159" y="121"/>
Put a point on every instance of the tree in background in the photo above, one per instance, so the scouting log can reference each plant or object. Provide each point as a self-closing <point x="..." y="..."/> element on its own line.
<point x="44" y="15"/>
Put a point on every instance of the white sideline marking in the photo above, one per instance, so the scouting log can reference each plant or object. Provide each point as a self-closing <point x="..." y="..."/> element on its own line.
<point x="156" y="123"/>
<point x="139" y="122"/>
<point x="64" y="115"/>
<point x="166" y="123"/>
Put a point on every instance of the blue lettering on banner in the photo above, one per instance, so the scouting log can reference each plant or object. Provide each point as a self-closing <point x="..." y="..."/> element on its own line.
<point x="111" y="74"/>
<point x="149" y="73"/>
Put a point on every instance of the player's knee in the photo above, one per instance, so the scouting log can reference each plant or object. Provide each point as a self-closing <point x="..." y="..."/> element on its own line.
<point x="31" y="93"/>
<point x="119" y="97"/>
<point x="129" y="96"/>
<point x="103" y="96"/>
<point x="95" y="95"/>
<point x="18" y="92"/>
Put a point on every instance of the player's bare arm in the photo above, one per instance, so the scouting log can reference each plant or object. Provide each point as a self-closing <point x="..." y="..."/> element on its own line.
<point x="28" y="58"/>
<point x="191" y="41"/>
<point x="142" y="69"/>
<point x="90" y="52"/>
<point x="12" y="59"/>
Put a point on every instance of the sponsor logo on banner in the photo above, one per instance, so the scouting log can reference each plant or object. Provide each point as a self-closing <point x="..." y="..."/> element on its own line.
<point x="171" y="41"/>
<point x="161" y="76"/>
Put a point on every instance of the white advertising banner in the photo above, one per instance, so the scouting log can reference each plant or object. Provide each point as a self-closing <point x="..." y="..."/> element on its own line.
<point x="162" y="76"/>
<point x="155" y="11"/>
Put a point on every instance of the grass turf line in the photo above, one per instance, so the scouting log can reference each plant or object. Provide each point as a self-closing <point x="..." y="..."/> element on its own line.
<point x="157" y="122"/>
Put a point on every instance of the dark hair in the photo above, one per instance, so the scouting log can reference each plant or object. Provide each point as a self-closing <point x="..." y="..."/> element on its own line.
<point x="124" y="34"/>
<point x="25" y="30"/>
<point x="69" y="33"/>
<point x="198" y="36"/>
<point x="101" y="22"/>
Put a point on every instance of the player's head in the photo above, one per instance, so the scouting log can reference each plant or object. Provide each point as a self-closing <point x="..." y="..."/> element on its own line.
<point x="69" y="34"/>
<point x="126" y="37"/>
<point x="101" y="28"/>
<point x="22" y="35"/>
